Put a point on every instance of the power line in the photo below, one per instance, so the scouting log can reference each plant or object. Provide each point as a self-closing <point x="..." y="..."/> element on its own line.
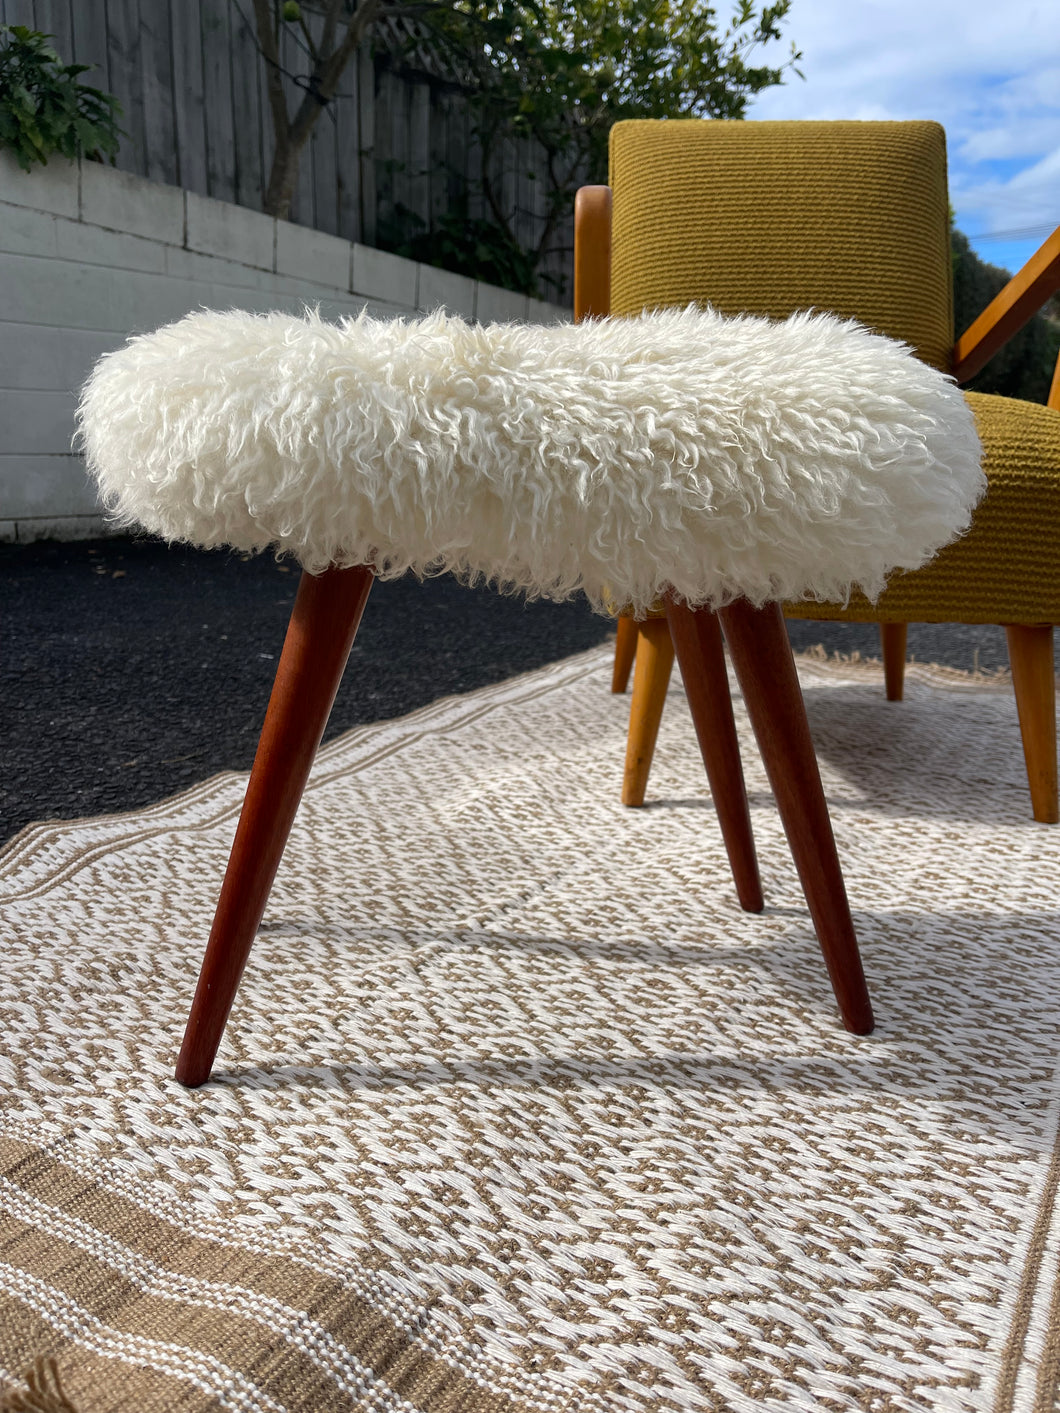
<point x="1021" y="233"/>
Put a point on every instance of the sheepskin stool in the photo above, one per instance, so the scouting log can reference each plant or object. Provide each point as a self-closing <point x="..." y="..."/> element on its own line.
<point x="724" y="465"/>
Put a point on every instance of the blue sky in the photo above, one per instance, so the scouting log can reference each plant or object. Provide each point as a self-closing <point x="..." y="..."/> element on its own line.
<point x="987" y="70"/>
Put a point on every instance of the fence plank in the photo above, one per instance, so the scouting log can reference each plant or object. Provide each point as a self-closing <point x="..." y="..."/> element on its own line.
<point x="366" y="103"/>
<point x="525" y="223"/>
<point x="508" y="186"/>
<point x="20" y="12"/>
<point x="268" y="136"/>
<point x="247" y="117"/>
<point x="54" y="18"/>
<point x="88" y="45"/>
<point x="322" y="157"/>
<point x="325" y="171"/>
<point x="156" y="57"/>
<point x="217" y="100"/>
<point x="386" y="120"/>
<point x="439" y="179"/>
<point x="190" y="97"/>
<point x="456" y="149"/>
<point x="126" y="80"/>
<point x="347" y="152"/>
<point x="419" y="154"/>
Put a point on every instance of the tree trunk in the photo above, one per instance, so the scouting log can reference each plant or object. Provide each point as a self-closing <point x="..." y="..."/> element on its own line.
<point x="282" y="180"/>
<point x="323" y="80"/>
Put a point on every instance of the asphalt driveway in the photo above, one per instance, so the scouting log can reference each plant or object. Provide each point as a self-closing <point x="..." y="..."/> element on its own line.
<point x="130" y="671"/>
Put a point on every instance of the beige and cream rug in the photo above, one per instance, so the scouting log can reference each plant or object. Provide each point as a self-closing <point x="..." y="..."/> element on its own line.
<point x="517" y="1110"/>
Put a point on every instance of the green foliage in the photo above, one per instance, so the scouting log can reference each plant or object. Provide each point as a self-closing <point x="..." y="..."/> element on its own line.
<point x="562" y="74"/>
<point x="467" y="245"/>
<point x="43" y="107"/>
<point x="1024" y="366"/>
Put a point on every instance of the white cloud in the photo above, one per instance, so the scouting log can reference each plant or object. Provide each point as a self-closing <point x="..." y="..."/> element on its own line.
<point x="1016" y="139"/>
<point x="989" y="73"/>
<point x="1029" y="198"/>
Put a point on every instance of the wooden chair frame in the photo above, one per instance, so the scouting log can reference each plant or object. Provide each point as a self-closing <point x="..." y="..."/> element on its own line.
<point x="1030" y="645"/>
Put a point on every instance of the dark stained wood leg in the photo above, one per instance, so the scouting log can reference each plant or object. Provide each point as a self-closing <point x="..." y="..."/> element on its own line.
<point x="651" y="677"/>
<point x="893" y="639"/>
<point x="625" y="652"/>
<point x="323" y="624"/>
<point x="701" y="656"/>
<point x="1030" y="654"/>
<point x="765" y="669"/>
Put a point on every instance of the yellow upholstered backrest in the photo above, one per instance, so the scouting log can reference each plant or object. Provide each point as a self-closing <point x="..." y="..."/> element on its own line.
<point x="772" y="217"/>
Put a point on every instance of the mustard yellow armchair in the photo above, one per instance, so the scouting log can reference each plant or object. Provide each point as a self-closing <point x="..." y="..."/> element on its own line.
<point x="852" y="217"/>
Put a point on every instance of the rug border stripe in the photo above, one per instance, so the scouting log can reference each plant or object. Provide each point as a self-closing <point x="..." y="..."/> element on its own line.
<point x="406" y="1375"/>
<point x="61" y="1311"/>
<point x="377" y="1292"/>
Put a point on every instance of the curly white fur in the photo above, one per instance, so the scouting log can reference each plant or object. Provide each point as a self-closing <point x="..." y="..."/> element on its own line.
<point x="722" y="457"/>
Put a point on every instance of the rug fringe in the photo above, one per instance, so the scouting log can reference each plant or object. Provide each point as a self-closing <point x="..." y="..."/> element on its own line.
<point x="43" y="1392"/>
<point x="936" y="673"/>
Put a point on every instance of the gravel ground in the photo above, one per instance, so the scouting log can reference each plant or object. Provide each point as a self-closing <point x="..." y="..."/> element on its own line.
<point x="130" y="671"/>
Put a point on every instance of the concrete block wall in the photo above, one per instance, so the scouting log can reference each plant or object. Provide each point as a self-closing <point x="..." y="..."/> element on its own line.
<point x="89" y="255"/>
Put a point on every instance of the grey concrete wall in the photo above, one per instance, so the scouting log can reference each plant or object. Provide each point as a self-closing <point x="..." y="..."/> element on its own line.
<point x="89" y="255"/>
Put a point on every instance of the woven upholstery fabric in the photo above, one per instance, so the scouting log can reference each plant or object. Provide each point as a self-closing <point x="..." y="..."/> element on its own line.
<point x="773" y="217"/>
<point x="1006" y="569"/>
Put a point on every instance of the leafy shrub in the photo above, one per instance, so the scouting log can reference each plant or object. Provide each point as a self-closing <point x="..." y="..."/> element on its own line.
<point x="465" y="244"/>
<point x="43" y="108"/>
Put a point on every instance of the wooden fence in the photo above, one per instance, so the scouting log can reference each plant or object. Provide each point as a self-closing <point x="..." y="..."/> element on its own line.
<point x="191" y="83"/>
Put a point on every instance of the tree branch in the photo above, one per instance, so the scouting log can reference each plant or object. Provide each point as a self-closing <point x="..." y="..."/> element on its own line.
<point x="360" y="22"/>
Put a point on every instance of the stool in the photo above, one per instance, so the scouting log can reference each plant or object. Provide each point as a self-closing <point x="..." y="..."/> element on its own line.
<point x="725" y="464"/>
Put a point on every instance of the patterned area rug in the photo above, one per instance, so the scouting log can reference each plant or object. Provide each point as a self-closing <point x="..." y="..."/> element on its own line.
<point x="517" y="1110"/>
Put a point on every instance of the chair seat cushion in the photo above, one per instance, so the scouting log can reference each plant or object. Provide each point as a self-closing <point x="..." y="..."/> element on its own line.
<point x="1006" y="569"/>
<point x="721" y="457"/>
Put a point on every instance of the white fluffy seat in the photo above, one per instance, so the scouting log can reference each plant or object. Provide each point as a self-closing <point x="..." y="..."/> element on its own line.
<point x="722" y="457"/>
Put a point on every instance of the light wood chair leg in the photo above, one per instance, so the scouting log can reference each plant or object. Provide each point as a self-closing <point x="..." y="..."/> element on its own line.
<point x="625" y="652"/>
<point x="651" y="677"/>
<point x="765" y="669"/>
<point x="893" y="638"/>
<point x="324" y="621"/>
<point x="697" y="642"/>
<point x="1030" y="654"/>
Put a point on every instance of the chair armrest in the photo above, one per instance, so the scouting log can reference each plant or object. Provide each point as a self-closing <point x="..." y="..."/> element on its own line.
<point x="592" y="252"/>
<point x="1007" y="313"/>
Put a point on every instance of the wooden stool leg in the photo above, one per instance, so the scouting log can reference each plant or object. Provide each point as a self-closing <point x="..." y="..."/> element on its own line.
<point x="651" y="677"/>
<point x="625" y="652"/>
<point x="893" y="639"/>
<point x="1030" y="654"/>
<point x="765" y="669"/>
<point x="323" y="624"/>
<point x="697" y="641"/>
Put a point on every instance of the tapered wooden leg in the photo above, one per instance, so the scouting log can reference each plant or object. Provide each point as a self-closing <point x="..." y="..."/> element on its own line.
<point x="893" y="639"/>
<point x="1030" y="654"/>
<point x="651" y="677"/>
<point x="323" y="624"/>
<point x="625" y="652"/>
<point x="697" y="642"/>
<point x="765" y="669"/>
